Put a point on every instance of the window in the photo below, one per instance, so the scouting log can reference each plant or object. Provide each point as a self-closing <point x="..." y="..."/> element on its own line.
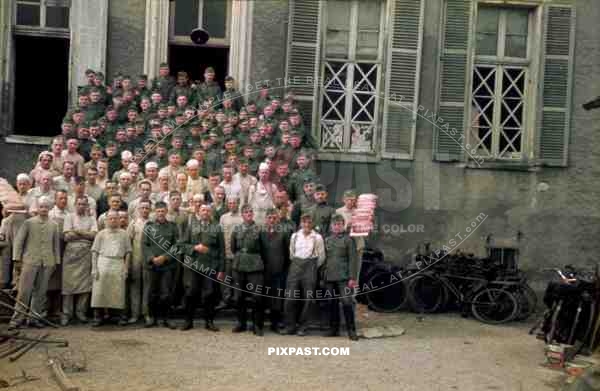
<point x="212" y="15"/>
<point x="351" y="72"/>
<point x="42" y="14"/>
<point x="500" y="78"/>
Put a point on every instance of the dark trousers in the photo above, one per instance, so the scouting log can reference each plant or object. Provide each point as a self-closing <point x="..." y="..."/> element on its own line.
<point x="198" y="289"/>
<point x="276" y="283"/>
<point x="243" y="295"/>
<point x="161" y="283"/>
<point x="336" y="290"/>
<point x="302" y="277"/>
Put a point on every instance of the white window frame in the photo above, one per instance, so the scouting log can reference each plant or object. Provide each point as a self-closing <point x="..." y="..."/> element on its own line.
<point x="185" y="39"/>
<point x="351" y="61"/>
<point x="532" y="62"/>
<point x="41" y="30"/>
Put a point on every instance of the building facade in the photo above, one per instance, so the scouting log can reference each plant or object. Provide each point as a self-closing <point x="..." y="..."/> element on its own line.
<point x="452" y="111"/>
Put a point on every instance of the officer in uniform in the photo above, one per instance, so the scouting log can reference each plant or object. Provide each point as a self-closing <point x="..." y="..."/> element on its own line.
<point x="248" y="271"/>
<point x="161" y="262"/>
<point x="338" y="272"/>
<point x="203" y="247"/>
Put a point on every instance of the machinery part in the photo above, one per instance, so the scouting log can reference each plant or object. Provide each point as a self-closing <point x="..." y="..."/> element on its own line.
<point x="63" y="342"/>
<point x="14" y="349"/>
<point x="30" y="314"/>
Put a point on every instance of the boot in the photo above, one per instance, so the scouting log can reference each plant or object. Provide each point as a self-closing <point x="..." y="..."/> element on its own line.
<point x="258" y="320"/>
<point x="350" y="325"/>
<point x="275" y="318"/>
<point x="334" y="319"/>
<point x="188" y="322"/>
<point x="209" y="313"/>
<point x="166" y="316"/>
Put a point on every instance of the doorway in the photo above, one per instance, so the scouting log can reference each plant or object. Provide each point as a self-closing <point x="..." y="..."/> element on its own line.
<point x="195" y="59"/>
<point x="41" y="84"/>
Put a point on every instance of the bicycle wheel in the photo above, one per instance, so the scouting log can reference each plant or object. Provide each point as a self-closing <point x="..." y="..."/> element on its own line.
<point x="426" y="294"/>
<point x="388" y="299"/>
<point x="494" y="306"/>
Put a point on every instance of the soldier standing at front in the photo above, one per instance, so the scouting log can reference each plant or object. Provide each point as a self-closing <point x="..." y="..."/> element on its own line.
<point x="339" y="271"/>
<point x="80" y="228"/>
<point x="275" y="243"/>
<point x="248" y="271"/>
<point x="307" y="253"/>
<point x="203" y="246"/>
<point x="111" y="254"/>
<point x="37" y="246"/>
<point x="161" y="261"/>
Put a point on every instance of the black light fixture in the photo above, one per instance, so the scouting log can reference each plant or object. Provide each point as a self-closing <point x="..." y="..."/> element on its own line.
<point x="199" y="36"/>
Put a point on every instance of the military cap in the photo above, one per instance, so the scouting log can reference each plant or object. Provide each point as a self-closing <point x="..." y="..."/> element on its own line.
<point x="309" y="179"/>
<point x="295" y="133"/>
<point x="163" y="65"/>
<point x="213" y="134"/>
<point x="320" y="187"/>
<point x="67" y="120"/>
<point x="229" y="78"/>
<point x="209" y="70"/>
<point x="180" y="113"/>
<point x="110" y="144"/>
<point x="272" y="211"/>
<point x="173" y="151"/>
<point x="94" y="123"/>
<point x="77" y="111"/>
<point x="162" y="106"/>
<point x="243" y="160"/>
<point x="110" y="108"/>
<point x="88" y="71"/>
<point x="132" y="108"/>
<point x="350" y="194"/>
<point x="126" y="77"/>
<point x="118" y="75"/>
<point x="205" y="137"/>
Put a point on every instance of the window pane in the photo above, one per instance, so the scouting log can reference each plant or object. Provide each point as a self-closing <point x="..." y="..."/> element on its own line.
<point x="214" y="17"/>
<point x="338" y="14"/>
<point x="516" y="33"/>
<point x="28" y="15"/>
<point x="57" y="17"/>
<point x="338" y="22"/>
<point x="367" y="44"/>
<point x="368" y="14"/>
<point x="487" y="31"/>
<point x="186" y="16"/>
<point x="517" y="21"/>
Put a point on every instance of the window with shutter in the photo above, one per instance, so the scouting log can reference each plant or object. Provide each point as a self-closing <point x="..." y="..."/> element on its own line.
<point x="449" y="136"/>
<point x="303" y="54"/>
<point x="402" y="79"/>
<point x="556" y="102"/>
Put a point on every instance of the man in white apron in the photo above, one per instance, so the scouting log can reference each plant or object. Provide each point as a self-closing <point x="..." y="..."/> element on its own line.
<point x="111" y="254"/>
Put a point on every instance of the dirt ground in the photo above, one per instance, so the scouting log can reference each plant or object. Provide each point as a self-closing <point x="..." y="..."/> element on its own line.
<point x="438" y="352"/>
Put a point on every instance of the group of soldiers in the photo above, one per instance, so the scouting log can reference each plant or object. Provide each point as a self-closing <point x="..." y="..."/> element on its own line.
<point x="168" y="195"/>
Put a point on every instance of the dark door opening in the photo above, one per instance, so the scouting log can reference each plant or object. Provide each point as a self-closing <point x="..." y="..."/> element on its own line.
<point x="195" y="59"/>
<point x="41" y="84"/>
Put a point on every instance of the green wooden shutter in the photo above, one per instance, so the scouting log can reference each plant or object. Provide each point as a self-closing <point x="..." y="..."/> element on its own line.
<point x="402" y="79"/>
<point x="303" y="55"/>
<point x="452" y="81"/>
<point x="556" y="93"/>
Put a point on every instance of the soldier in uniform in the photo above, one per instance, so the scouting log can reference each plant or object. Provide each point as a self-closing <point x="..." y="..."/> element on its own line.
<point x="14" y="216"/>
<point x="203" y="247"/>
<point x="307" y="253"/>
<point x="164" y="82"/>
<point x="338" y="272"/>
<point x="162" y="263"/>
<point x="305" y="200"/>
<point x="321" y="211"/>
<point x="275" y="244"/>
<point x="248" y="269"/>
<point x="139" y="273"/>
<point x="209" y="88"/>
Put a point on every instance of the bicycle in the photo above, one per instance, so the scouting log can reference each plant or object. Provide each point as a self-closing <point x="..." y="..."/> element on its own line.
<point x="488" y="301"/>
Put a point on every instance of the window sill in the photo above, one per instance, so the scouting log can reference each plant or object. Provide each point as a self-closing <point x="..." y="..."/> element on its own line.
<point x="30" y="140"/>
<point x="349" y="157"/>
<point x="505" y="165"/>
